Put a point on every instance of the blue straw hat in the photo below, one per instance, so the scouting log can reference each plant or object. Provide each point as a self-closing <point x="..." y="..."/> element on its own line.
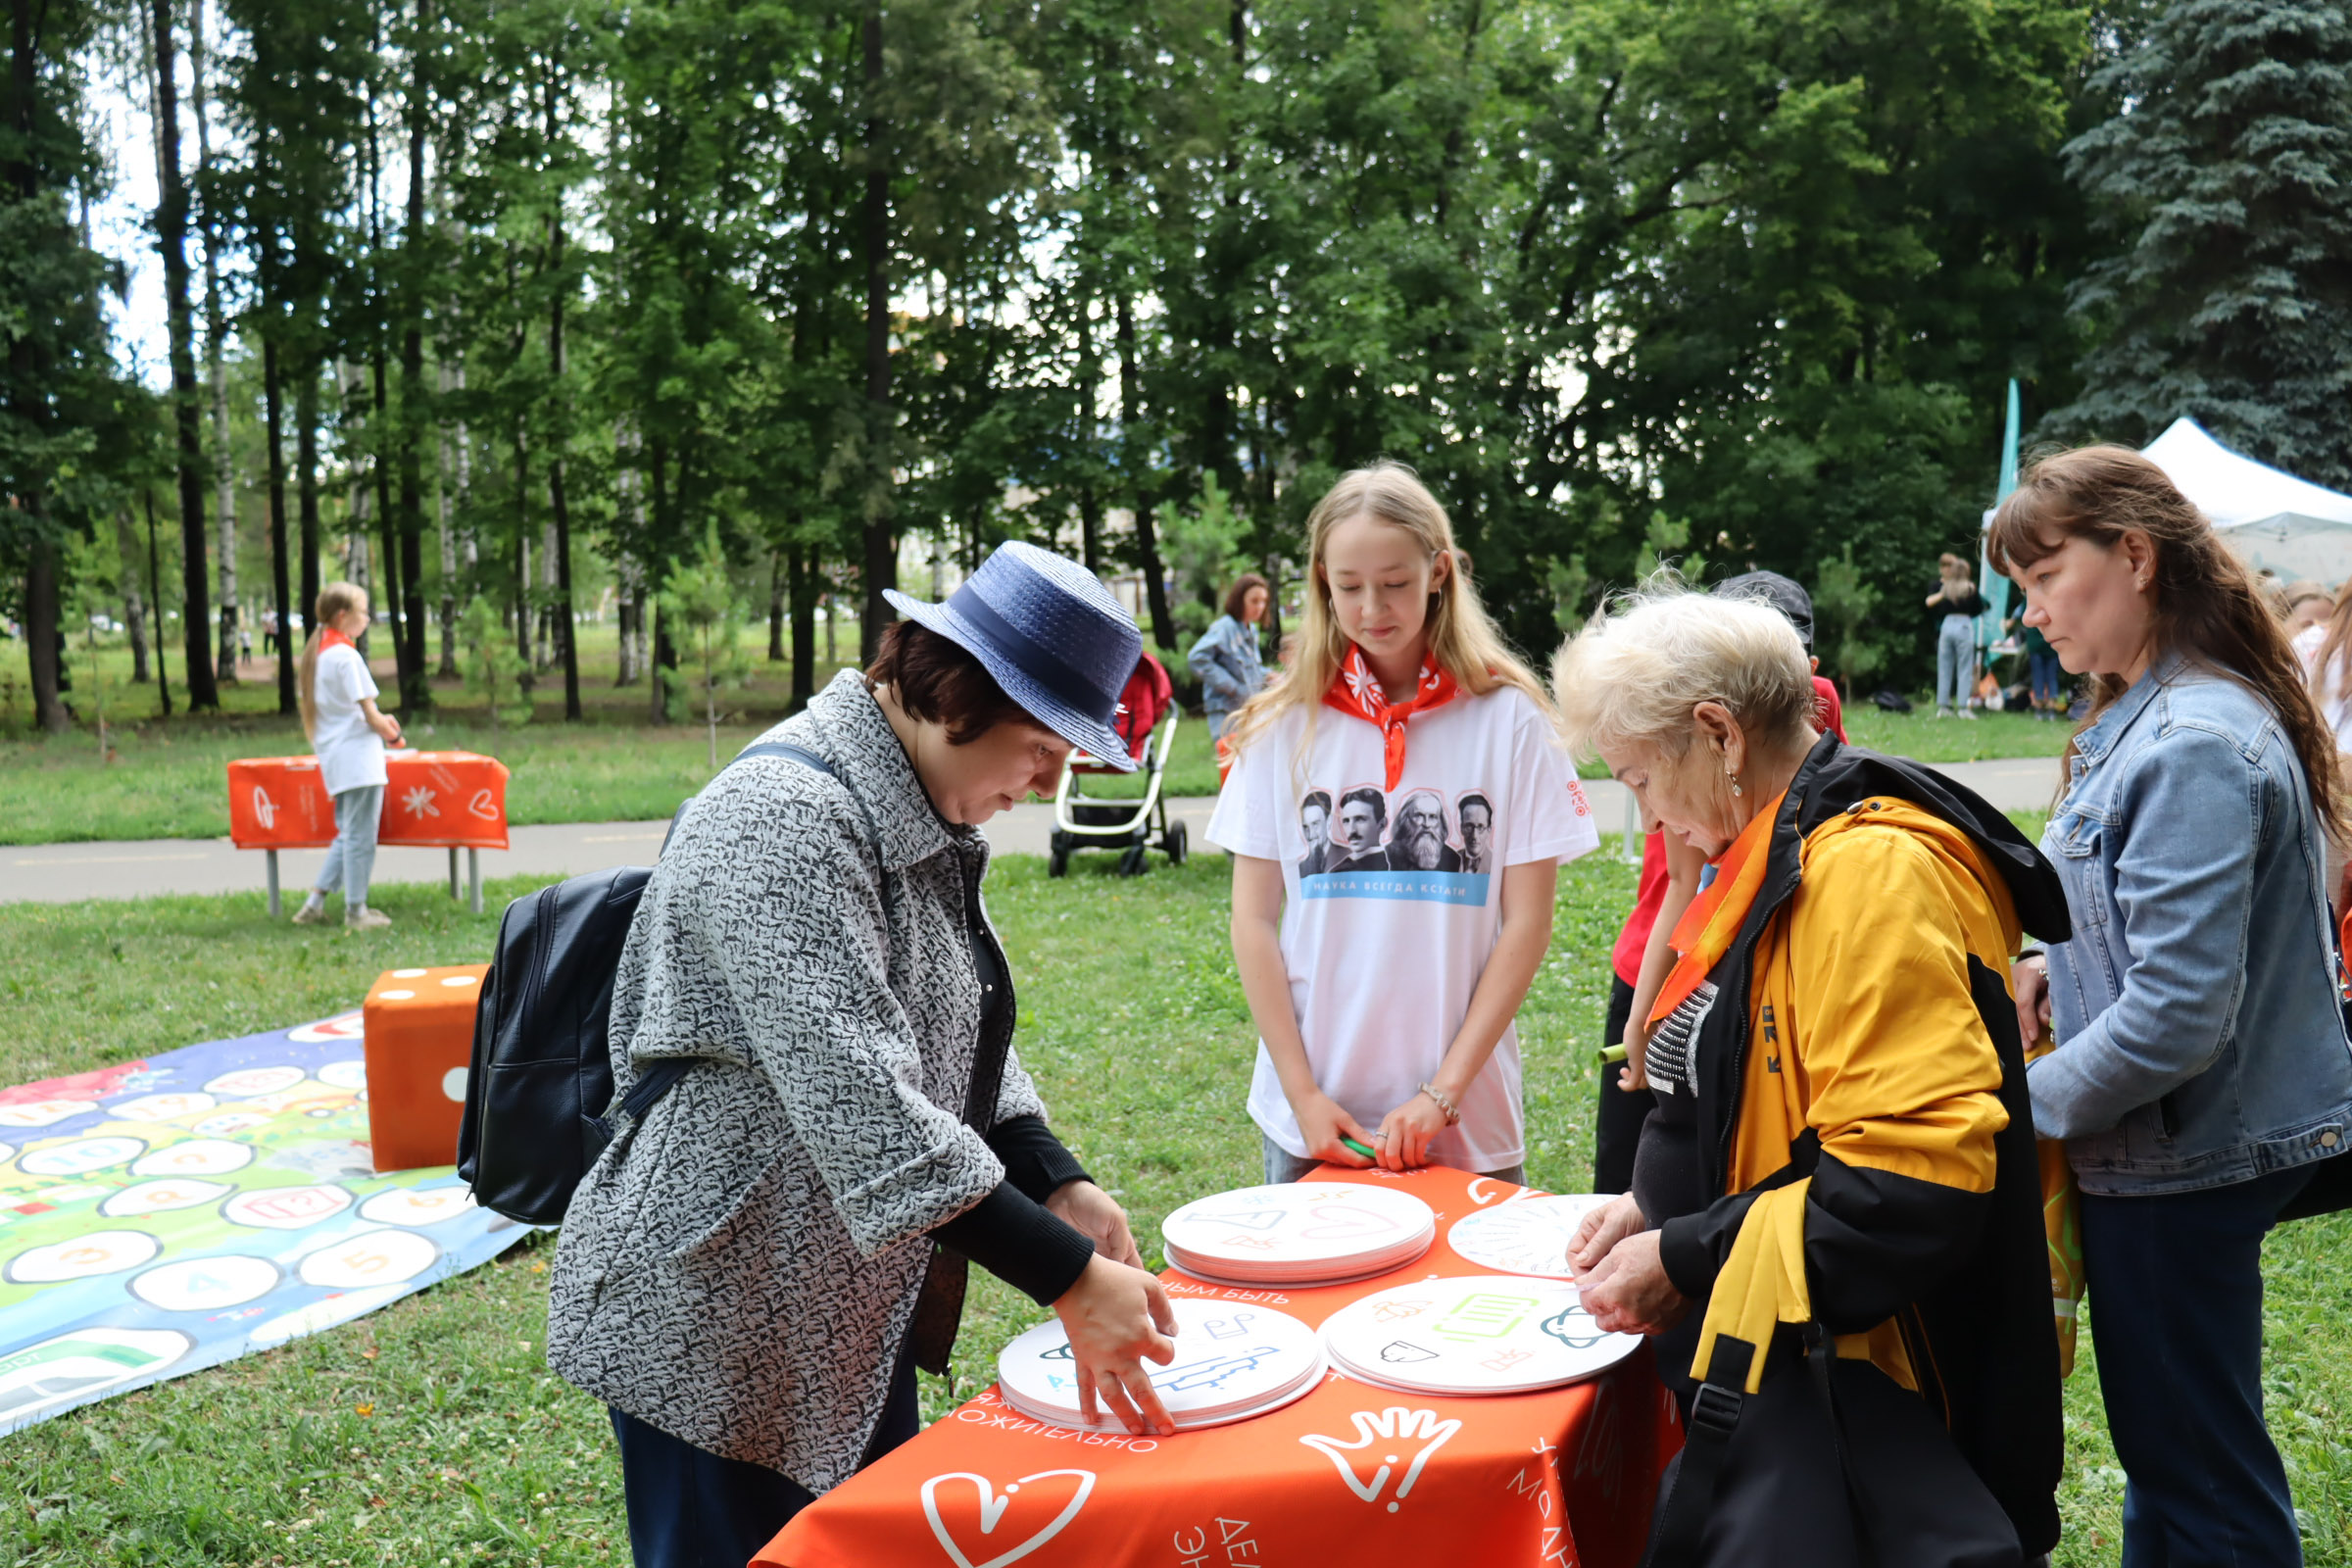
<point x="1052" y="637"/>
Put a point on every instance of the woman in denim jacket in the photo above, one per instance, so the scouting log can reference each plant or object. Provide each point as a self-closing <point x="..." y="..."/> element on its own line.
<point x="1226" y="658"/>
<point x="2202" y="1070"/>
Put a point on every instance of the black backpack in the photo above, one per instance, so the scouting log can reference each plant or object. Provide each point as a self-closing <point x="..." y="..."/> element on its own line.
<point x="539" y="1091"/>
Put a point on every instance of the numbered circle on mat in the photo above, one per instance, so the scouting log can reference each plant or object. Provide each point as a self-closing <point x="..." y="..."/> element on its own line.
<point x="82" y="1257"/>
<point x="1529" y="1236"/>
<point x="1296" y="1222"/>
<point x="202" y="1284"/>
<point x="1228" y="1355"/>
<point x="371" y="1258"/>
<point x="1472" y="1335"/>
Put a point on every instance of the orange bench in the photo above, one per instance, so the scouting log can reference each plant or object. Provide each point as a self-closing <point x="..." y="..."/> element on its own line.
<point x="454" y="800"/>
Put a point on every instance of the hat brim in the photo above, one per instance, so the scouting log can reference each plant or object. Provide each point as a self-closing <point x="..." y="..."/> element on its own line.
<point x="1098" y="741"/>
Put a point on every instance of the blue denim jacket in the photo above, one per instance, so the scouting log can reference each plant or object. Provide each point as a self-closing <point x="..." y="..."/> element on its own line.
<point x="2201" y="1039"/>
<point x="1226" y="660"/>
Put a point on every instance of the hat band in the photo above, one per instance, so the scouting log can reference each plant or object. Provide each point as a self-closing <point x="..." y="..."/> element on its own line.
<point x="1036" y="661"/>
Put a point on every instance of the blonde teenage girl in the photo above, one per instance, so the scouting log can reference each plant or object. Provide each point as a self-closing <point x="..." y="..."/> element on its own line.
<point x="349" y="733"/>
<point x="1384" y="964"/>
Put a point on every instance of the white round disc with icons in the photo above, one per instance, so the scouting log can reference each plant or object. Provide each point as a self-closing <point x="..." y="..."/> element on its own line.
<point x="1526" y="1236"/>
<point x="1299" y="1232"/>
<point x="1231" y="1357"/>
<point x="1477" y="1333"/>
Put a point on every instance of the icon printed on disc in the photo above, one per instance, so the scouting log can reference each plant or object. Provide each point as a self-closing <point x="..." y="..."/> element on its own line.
<point x="1526" y="1236"/>
<point x="83" y="1257"/>
<point x="248" y="1083"/>
<point x="43" y="1113"/>
<point x="194" y="1157"/>
<point x="206" y="1284"/>
<point x="285" y="1208"/>
<point x="416" y="1206"/>
<point x="82" y="1156"/>
<point x="162" y="1197"/>
<point x="371" y="1258"/>
<point x="160" y="1107"/>
<point x="352" y="1074"/>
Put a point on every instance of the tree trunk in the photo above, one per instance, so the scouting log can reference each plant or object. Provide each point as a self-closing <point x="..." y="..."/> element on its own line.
<point x="448" y="670"/>
<point x="155" y="577"/>
<point x="1146" y="541"/>
<point x="273" y="417"/>
<point x="522" y="557"/>
<point x="415" y="686"/>
<point x="41" y="638"/>
<point x="387" y="522"/>
<point x="172" y="241"/>
<point x="800" y="564"/>
<point x="135" y="598"/>
<point x="662" y="655"/>
<point x="225" y="468"/>
<point x="777" y="572"/>
<point x="562" y="609"/>
<point x="881" y="555"/>
<point x="306" y="483"/>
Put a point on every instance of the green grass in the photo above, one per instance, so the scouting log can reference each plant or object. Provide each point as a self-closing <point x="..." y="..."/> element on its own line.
<point x="1923" y="737"/>
<point x="432" y="1430"/>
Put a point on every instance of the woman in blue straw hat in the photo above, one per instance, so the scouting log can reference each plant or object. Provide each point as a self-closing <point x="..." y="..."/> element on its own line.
<point x="752" y="1272"/>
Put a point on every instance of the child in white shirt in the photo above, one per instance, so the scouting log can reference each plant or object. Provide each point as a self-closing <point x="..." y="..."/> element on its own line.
<point x="1385" y="960"/>
<point x="349" y="733"/>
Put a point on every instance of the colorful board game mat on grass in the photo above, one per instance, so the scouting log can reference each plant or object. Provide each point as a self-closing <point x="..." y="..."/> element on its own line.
<point x="170" y="1215"/>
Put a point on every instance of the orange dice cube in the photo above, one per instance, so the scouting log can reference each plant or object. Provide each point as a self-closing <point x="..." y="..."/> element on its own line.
<point x="419" y="1025"/>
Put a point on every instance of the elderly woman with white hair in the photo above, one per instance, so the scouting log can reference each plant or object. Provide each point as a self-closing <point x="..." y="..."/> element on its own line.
<point x="1835" y="1231"/>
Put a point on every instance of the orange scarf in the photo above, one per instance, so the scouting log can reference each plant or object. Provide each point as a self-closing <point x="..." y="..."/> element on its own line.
<point x="328" y="637"/>
<point x="1709" y="928"/>
<point x="1357" y="689"/>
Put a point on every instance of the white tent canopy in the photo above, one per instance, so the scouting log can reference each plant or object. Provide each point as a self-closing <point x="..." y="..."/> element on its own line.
<point x="2273" y="519"/>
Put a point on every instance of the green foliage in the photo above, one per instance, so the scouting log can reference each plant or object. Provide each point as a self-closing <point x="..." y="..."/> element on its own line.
<point x="494" y="669"/>
<point x="1662" y="546"/>
<point x="1843" y="602"/>
<point x="1569" y="583"/>
<point x="1203" y="548"/>
<point x="2225" y="181"/>
<point x="704" y="603"/>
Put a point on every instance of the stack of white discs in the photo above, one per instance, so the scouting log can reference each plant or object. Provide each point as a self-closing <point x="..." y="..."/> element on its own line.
<point x="1299" y="1234"/>
<point x="1527" y="1236"/>
<point x="1232" y="1362"/>
<point x="1481" y="1334"/>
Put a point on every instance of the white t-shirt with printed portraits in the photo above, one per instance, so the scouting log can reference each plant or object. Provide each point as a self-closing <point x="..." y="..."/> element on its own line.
<point x="1393" y="899"/>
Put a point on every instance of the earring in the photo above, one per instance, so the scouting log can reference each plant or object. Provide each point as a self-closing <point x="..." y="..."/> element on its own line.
<point x="1735" y="778"/>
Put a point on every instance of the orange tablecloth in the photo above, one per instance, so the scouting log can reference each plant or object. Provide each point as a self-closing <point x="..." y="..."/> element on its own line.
<point x="1350" y="1474"/>
<point x="434" y="799"/>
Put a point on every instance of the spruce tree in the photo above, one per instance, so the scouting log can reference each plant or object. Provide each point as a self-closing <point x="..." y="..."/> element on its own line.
<point x="2226" y="177"/>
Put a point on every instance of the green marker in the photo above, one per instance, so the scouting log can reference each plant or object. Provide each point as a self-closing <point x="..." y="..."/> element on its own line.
<point x="1359" y="1147"/>
<point x="1612" y="1054"/>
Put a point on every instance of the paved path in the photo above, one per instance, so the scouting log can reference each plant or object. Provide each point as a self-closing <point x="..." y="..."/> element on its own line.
<point x="59" y="873"/>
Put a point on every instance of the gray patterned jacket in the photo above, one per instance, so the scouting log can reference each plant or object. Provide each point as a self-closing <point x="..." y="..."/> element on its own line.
<point x="739" y="1269"/>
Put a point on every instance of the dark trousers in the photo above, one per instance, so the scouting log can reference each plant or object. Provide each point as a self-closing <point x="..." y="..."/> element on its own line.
<point x="691" y="1508"/>
<point x="1617" y="1122"/>
<point x="2176" y="1315"/>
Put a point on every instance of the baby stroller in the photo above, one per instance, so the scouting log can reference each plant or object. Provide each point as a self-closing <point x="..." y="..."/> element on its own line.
<point x="1084" y="822"/>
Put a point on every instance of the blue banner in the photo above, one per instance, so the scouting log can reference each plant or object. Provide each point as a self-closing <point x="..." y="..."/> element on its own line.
<point x="1468" y="888"/>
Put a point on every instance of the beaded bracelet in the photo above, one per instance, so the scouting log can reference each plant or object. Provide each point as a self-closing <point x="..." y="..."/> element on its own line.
<point x="1453" y="1113"/>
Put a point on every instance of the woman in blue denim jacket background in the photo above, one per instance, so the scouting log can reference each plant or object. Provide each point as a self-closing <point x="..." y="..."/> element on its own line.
<point x="1226" y="658"/>
<point x="2202" y="1070"/>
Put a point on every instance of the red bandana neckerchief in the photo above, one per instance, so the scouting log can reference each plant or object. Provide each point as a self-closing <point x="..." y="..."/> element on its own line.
<point x="328" y="637"/>
<point x="1357" y="689"/>
<point x="1709" y="927"/>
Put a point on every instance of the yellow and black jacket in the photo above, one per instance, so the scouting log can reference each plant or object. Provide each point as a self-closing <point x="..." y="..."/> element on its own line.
<point x="1857" y="1039"/>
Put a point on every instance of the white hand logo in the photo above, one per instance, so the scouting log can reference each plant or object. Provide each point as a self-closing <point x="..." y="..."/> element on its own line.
<point x="992" y="1512"/>
<point x="1393" y="1423"/>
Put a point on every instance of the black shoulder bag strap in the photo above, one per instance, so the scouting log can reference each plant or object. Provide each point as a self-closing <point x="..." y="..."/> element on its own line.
<point x="661" y="1076"/>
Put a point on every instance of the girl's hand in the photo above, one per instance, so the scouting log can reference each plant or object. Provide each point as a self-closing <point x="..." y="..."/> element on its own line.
<point x="1096" y="1215"/>
<point x="1628" y="1290"/>
<point x="1118" y="1318"/>
<point x="1635" y="1074"/>
<point x="2030" y="979"/>
<point x="388" y="727"/>
<point x="1405" y="1132"/>
<point x="1321" y="1122"/>
<point x="1603" y="1228"/>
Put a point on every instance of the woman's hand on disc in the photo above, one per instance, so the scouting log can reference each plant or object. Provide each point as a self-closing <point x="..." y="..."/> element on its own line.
<point x="1603" y="1228"/>
<point x="1322" y="1124"/>
<point x="1117" y="1318"/>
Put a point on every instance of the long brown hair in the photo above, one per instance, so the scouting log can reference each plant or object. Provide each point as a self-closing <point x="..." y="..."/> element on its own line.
<point x="2206" y="606"/>
<point x="333" y="599"/>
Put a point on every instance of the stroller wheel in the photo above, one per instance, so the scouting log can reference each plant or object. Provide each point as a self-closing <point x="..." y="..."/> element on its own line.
<point x="1058" y="860"/>
<point x="1132" y="862"/>
<point x="1173" y="841"/>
